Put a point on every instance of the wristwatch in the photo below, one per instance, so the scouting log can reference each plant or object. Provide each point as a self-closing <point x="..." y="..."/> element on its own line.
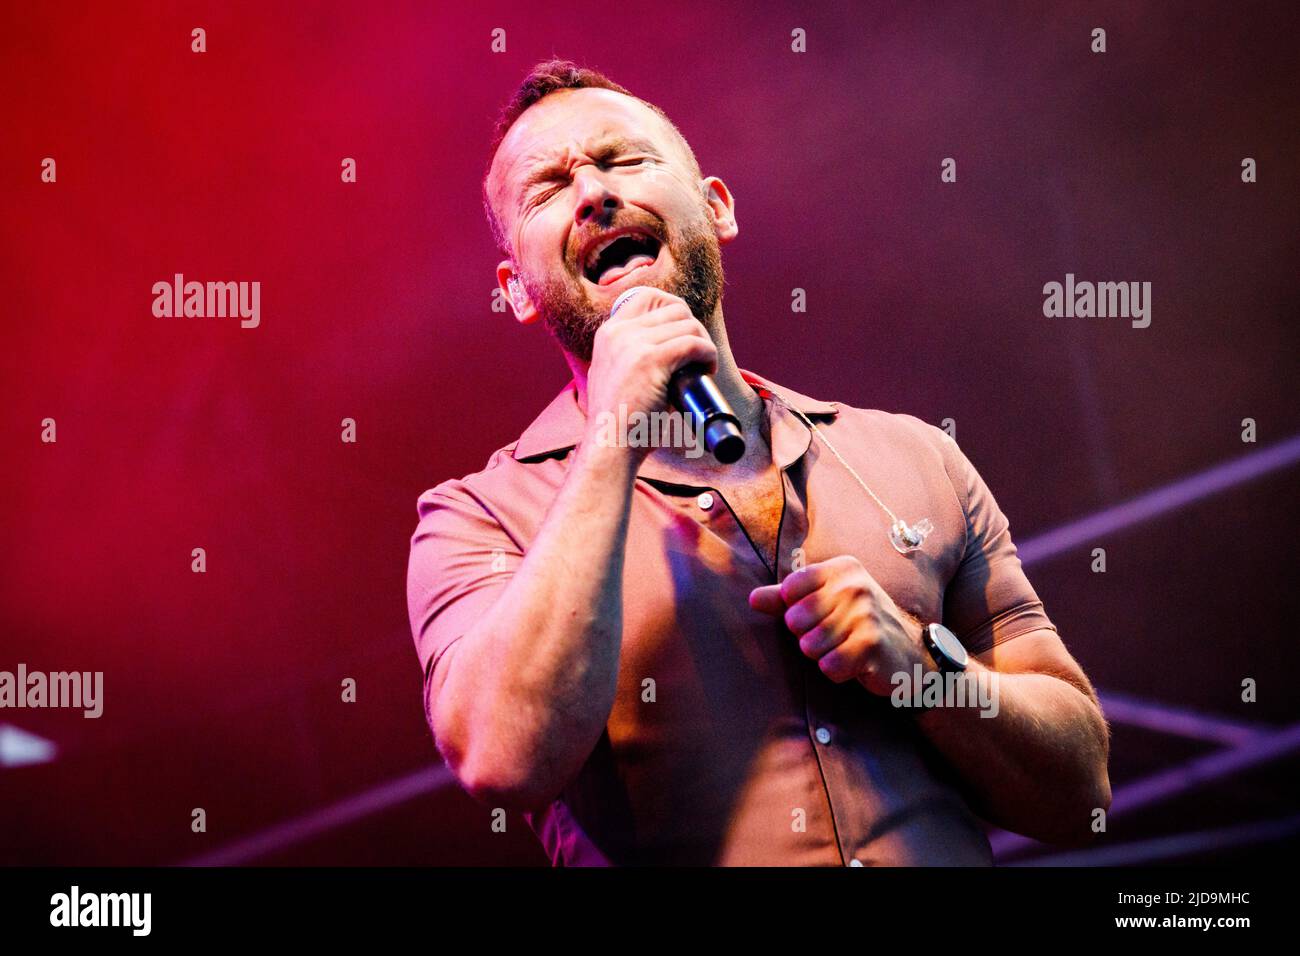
<point x="949" y="656"/>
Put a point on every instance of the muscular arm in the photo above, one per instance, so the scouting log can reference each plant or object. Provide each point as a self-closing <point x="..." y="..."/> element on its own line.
<point x="521" y="699"/>
<point x="1039" y="766"/>
<point x="523" y="696"/>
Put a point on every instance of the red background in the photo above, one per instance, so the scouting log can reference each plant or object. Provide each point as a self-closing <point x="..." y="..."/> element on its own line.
<point x="222" y="689"/>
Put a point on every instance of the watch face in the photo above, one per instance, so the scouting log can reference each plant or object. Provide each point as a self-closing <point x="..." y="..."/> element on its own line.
<point x="947" y="642"/>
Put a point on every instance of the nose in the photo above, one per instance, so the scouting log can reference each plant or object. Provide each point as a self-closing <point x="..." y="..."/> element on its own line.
<point x="595" y="201"/>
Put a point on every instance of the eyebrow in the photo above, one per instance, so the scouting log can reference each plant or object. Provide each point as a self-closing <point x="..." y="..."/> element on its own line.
<point x="609" y="146"/>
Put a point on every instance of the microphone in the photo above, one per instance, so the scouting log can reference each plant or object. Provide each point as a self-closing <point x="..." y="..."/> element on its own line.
<point x="693" y="392"/>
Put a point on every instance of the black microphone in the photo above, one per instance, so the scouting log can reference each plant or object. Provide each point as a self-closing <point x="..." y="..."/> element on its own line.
<point x="693" y="392"/>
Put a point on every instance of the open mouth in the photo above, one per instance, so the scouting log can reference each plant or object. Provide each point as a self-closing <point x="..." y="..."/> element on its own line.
<point x="612" y="258"/>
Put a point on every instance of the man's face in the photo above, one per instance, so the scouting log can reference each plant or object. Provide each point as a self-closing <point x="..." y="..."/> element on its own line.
<point x="596" y="194"/>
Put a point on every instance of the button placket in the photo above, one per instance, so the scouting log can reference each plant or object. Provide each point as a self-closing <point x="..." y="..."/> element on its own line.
<point x="794" y="521"/>
<point x="708" y="508"/>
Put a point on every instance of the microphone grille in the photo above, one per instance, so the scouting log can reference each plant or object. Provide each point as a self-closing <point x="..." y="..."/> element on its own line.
<point x="624" y="296"/>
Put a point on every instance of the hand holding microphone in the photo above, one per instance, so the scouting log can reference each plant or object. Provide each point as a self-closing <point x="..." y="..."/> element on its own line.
<point x="657" y="349"/>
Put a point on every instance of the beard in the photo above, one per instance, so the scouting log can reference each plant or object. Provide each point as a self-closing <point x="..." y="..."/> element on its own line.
<point x="571" y="317"/>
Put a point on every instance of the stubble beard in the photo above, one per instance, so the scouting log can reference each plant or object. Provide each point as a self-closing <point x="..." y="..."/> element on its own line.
<point x="568" y="313"/>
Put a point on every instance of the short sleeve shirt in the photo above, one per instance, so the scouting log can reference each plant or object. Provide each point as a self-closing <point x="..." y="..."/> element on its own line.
<point x="725" y="744"/>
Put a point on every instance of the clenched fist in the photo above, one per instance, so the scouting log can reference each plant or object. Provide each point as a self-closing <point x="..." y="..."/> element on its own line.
<point x="846" y="623"/>
<point x="636" y="353"/>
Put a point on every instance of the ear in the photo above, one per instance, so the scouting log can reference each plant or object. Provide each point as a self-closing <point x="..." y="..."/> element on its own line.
<point x="722" y="208"/>
<point x="513" y="287"/>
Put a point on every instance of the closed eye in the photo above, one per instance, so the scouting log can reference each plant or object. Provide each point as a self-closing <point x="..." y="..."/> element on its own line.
<point x="561" y="180"/>
<point x="542" y="195"/>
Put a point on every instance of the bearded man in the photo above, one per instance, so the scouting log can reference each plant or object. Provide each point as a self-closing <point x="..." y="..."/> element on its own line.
<point x="660" y="659"/>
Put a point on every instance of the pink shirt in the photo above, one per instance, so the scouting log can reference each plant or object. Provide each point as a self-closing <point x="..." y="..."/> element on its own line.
<point x="748" y="754"/>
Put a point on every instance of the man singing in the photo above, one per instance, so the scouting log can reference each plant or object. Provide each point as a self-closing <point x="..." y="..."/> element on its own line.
<point x="661" y="659"/>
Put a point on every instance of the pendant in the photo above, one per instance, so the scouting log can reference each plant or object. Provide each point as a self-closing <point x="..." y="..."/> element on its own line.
<point x="905" y="538"/>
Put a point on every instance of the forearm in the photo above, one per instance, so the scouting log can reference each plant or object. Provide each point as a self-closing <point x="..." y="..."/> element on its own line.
<point x="1039" y="766"/>
<point x="528" y="690"/>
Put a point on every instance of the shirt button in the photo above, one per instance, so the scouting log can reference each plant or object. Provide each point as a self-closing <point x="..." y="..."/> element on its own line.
<point x="705" y="501"/>
<point x="823" y="735"/>
<point x="855" y="862"/>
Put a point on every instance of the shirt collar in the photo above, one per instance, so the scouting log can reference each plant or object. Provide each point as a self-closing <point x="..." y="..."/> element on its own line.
<point x="560" y="425"/>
